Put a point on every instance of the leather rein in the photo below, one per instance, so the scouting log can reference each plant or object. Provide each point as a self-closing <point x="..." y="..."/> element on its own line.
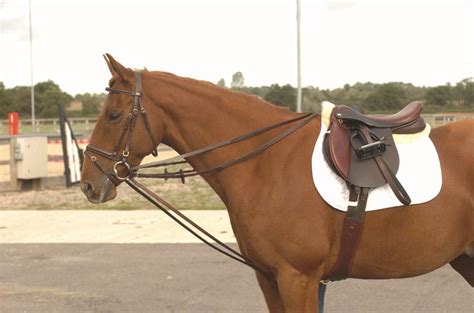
<point x="121" y="160"/>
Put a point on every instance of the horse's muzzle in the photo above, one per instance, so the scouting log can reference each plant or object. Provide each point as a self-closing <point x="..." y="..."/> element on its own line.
<point x="99" y="195"/>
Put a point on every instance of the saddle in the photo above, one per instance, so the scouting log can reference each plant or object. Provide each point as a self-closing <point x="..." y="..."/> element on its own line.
<point x="361" y="150"/>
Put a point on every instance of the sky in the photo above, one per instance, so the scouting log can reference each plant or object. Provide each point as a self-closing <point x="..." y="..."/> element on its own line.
<point x="427" y="43"/>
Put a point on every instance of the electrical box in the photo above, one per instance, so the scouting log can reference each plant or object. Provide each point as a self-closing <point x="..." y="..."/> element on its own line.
<point x="31" y="155"/>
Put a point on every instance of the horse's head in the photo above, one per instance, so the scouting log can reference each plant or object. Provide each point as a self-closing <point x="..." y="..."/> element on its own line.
<point x="127" y="130"/>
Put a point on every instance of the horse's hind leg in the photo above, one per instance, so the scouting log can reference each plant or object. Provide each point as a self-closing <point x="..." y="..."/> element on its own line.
<point x="464" y="265"/>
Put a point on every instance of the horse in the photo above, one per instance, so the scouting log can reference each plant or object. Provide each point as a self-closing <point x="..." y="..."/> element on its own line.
<point x="278" y="218"/>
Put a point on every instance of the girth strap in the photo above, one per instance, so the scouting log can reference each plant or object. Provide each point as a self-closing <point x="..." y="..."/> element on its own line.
<point x="351" y="234"/>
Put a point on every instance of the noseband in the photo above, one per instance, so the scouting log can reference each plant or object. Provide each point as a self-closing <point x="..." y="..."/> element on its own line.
<point x="122" y="158"/>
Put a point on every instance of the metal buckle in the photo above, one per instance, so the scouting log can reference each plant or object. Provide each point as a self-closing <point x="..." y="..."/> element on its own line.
<point x="116" y="170"/>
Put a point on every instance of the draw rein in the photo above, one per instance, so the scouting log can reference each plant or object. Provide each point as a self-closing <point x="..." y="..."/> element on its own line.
<point x="121" y="160"/>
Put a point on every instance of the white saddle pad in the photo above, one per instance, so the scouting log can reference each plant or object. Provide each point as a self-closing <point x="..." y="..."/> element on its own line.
<point x="419" y="171"/>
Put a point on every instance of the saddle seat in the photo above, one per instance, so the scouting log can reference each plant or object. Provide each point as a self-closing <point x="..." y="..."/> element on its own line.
<point x="406" y="121"/>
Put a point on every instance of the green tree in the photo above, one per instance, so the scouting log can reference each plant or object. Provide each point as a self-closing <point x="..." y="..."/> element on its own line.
<point x="282" y="95"/>
<point x="19" y="100"/>
<point x="91" y="103"/>
<point x="464" y="92"/>
<point x="4" y="102"/>
<point x="221" y="83"/>
<point x="312" y="99"/>
<point x="439" y="95"/>
<point x="386" y="97"/>
<point x="237" y="80"/>
<point x="48" y="95"/>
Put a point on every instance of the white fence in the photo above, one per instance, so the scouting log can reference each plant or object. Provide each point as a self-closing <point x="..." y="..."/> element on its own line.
<point x="51" y="125"/>
<point x="445" y="118"/>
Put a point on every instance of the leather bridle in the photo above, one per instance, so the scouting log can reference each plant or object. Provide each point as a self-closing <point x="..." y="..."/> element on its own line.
<point x="122" y="158"/>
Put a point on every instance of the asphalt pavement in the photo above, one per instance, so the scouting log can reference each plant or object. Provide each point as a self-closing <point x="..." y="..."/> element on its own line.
<point x="70" y="278"/>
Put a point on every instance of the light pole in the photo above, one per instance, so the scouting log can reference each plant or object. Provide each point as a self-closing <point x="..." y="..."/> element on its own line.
<point x="33" y="122"/>
<point x="298" y="49"/>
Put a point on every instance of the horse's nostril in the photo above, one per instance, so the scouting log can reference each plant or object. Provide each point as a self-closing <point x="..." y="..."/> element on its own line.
<point x="87" y="189"/>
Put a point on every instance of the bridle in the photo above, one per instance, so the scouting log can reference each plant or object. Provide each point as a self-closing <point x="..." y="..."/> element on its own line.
<point x="122" y="158"/>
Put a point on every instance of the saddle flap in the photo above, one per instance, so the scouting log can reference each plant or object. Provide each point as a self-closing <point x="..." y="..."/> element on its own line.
<point x="337" y="148"/>
<point x="365" y="172"/>
<point x="347" y="164"/>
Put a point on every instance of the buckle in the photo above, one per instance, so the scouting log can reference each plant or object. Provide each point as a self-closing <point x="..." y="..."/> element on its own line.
<point x="371" y="150"/>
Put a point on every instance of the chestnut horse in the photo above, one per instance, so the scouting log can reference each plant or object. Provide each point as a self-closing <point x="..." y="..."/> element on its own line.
<point x="280" y="221"/>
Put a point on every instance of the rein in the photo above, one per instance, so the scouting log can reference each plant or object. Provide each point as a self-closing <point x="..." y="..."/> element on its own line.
<point x="121" y="159"/>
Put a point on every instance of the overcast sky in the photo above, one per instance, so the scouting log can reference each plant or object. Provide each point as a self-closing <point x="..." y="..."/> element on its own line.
<point x="427" y="43"/>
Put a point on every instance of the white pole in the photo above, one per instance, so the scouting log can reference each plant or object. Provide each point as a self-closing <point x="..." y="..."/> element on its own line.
<point x="298" y="49"/>
<point x="33" y="122"/>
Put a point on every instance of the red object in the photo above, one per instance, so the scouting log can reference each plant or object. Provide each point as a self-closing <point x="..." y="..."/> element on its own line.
<point x="13" y="123"/>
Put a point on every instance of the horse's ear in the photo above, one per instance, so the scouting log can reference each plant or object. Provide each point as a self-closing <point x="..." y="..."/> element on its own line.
<point x="117" y="68"/>
<point x="109" y="65"/>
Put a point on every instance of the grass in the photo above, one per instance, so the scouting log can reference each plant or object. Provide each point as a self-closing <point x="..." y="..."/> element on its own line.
<point x="48" y="128"/>
<point x="194" y="195"/>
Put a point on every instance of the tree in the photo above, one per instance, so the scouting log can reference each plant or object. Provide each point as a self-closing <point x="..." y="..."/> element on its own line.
<point x="439" y="95"/>
<point x="19" y="100"/>
<point x="386" y="97"/>
<point x="91" y="103"/>
<point x="49" y="102"/>
<point x="221" y="83"/>
<point x="464" y="92"/>
<point x="48" y="95"/>
<point x="4" y="102"/>
<point x="237" y="80"/>
<point x="283" y="96"/>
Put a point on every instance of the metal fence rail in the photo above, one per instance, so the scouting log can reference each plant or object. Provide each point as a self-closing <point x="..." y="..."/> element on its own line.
<point x="86" y="124"/>
<point x="51" y="125"/>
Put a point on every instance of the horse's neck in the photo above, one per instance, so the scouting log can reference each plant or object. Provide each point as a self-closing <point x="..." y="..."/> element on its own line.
<point x="198" y="114"/>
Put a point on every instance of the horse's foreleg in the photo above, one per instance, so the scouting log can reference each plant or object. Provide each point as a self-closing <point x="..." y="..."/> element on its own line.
<point x="299" y="292"/>
<point x="271" y="294"/>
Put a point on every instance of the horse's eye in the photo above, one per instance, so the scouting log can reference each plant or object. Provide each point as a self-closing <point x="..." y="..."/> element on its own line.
<point x="114" y="117"/>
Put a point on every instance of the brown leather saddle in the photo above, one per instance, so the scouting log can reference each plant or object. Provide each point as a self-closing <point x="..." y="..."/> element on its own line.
<point x="361" y="150"/>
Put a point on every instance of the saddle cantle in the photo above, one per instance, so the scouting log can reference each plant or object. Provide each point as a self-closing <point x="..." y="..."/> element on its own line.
<point x="361" y="150"/>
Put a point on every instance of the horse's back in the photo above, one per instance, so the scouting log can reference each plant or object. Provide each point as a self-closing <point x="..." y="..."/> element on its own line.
<point x="454" y="143"/>
<point x="457" y="132"/>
